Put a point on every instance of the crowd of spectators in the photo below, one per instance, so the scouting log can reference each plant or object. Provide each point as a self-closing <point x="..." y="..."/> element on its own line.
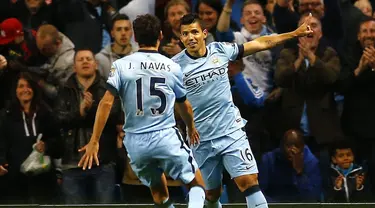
<point x="312" y="136"/>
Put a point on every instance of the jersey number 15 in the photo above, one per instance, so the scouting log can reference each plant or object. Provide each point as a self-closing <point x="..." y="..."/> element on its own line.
<point x="154" y="91"/>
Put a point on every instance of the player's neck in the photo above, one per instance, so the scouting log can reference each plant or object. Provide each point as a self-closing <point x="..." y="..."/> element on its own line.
<point x="199" y="53"/>
<point x="149" y="48"/>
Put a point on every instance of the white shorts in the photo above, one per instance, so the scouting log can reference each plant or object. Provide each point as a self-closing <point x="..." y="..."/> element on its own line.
<point x="231" y="152"/>
<point x="156" y="152"/>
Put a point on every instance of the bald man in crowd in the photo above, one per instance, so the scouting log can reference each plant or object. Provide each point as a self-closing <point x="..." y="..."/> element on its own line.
<point x="60" y="53"/>
<point x="291" y="172"/>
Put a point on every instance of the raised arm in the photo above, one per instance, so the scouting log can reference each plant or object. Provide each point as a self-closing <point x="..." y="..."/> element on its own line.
<point x="186" y="111"/>
<point x="223" y="23"/>
<point x="270" y="41"/>
<point x="92" y="148"/>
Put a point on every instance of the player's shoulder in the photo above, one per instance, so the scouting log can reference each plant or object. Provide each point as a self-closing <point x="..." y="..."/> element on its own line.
<point x="220" y="45"/>
<point x="181" y="56"/>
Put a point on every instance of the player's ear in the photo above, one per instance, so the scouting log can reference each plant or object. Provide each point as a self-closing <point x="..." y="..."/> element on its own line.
<point x="205" y="33"/>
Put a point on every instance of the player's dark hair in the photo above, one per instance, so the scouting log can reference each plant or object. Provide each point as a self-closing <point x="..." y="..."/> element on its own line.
<point x="188" y="19"/>
<point x="118" y="17"/>
<point x="146" y="30"/>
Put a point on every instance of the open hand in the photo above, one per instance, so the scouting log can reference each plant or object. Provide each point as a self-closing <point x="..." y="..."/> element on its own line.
<point x="193" y="136"/>
<point x="91" y="153"/>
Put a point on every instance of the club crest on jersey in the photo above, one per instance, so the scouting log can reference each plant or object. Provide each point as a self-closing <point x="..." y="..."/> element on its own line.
<point x="215" y="60"/>
<point x="112" y="71"/>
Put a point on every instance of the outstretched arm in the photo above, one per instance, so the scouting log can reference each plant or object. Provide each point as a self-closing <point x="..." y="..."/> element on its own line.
<point x="92" y="148"/>
<point x="186" y="112"/>
<point x="270" y="41"/>
<point x="223" y="24"/>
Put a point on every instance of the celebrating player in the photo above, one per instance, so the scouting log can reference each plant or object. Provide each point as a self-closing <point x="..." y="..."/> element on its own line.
<point x="148" y="84"/>
<point x="223" y="143"/>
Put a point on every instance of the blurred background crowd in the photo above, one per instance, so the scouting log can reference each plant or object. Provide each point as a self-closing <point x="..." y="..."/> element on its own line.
<point x="312" y="136"/>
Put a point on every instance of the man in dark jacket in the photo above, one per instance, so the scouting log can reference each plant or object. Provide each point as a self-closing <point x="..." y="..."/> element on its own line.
<point x="358" y="85"/>
<point x="290" y="173"/>
<point x="76" y="110"/>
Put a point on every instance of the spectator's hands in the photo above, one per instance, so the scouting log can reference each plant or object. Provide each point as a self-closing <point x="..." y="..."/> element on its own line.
<point x="91" y="153"/>
<point x="120" y="139"/>
<point x="235" y="67"/>
<point x="338" y="182"/>
<point x="297" y="159"/>
<point x="193" y="136"/>
<point x="40" y="146"/>
<point x="274" y="95"/>
<point x="305" y="28"/>
<point x="3" y="169"/>
<point x="3" y="62"/>
<point x="86" y="103"/>
<point x="363" y="64"/>
<point x="359" y="179"/>
<point x="172" y="48"/>
<point x="286" y="3"/>
<point x="306" y="51"/>
<point x="230" y="2"/>
<point x="369" y="54"/>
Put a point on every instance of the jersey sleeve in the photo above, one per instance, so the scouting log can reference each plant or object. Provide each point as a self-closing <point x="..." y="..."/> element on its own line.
<point x="178" y="87"/>
<point x="232" y="50"/>
<point x="114" y="80"/>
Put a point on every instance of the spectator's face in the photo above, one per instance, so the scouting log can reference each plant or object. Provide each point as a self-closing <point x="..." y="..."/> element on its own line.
<point x="253" y="18"/>
<point x="122" y="32"/>
<point x="193" y="37"/>
<point x="343" y="158"/>
<point x="47" y="47"/>
<point x="175" y="13"/>
<point x="19" y="39"/>
<point x="24" y="92"/>
<point x="85" y="64"/>
<point x="292" y="147"/>
<point x="316" y="26"/>
<point x="366" y="34"/>
<point x="34" y="5"/>
<point x="315" y="6"/>
<point x="208" y="15"/>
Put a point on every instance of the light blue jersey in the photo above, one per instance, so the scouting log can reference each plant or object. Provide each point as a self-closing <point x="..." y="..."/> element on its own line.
<point x="148" y="84"/>
<point x="208" y="89"/>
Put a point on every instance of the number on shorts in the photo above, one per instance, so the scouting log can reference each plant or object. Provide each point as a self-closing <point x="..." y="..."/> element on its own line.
<point x="246" y="154"/>
<point x="154" y="91"/>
